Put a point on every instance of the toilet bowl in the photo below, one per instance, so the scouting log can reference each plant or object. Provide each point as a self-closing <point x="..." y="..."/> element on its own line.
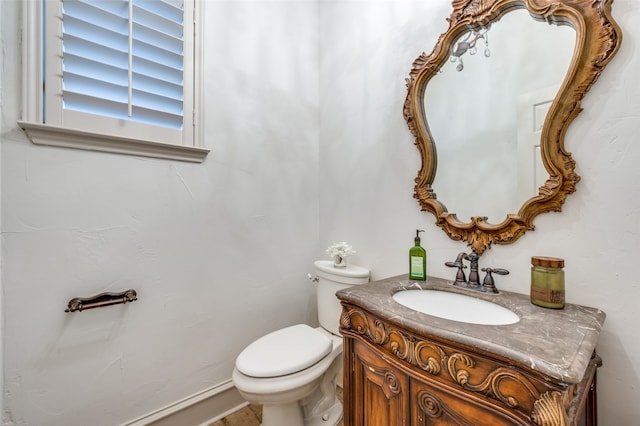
<point x="293" y="372"/>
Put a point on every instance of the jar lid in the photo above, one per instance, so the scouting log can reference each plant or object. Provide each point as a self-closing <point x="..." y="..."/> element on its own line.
<point x="547" y="262"/>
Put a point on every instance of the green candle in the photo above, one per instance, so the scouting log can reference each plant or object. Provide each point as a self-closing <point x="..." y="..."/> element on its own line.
<point x="547" y="282"/>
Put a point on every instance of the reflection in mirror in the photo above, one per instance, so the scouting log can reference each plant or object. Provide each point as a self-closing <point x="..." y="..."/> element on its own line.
<point x="472" y="111"/>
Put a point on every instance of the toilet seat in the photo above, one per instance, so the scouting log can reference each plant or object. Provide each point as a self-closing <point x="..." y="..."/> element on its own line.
<point x="285" y="351"/>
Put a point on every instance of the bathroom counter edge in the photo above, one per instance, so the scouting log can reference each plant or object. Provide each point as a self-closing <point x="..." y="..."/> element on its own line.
<point x="558" y="343"/>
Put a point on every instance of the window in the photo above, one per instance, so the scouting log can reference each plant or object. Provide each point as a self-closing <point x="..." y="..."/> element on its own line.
<point x="117" y="76"/>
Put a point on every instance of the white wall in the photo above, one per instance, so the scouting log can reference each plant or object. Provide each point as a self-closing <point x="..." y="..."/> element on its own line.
<point x="309" y="147"/>
<point x="368" y="162"/>
<point x="218" y="252"/>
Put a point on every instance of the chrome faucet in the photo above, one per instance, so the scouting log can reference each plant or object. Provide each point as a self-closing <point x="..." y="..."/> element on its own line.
<point x="488" y="283"/>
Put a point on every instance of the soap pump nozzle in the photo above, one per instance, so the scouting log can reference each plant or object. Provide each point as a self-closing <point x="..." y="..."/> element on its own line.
<point x="417" y="238"/>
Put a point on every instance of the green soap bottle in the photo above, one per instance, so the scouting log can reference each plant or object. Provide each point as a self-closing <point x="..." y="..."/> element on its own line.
<point x="417" y="260"/>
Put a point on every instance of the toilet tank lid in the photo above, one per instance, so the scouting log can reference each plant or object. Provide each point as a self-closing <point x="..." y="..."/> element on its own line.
<point x="350" y="271"/>
<point x="284" y="351"/>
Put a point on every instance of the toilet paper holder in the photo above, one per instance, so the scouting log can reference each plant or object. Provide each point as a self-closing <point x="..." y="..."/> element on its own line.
<point x="100" y="300"/>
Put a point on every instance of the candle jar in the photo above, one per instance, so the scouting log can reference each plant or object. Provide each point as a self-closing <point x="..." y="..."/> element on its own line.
<point x="547" y="282"/>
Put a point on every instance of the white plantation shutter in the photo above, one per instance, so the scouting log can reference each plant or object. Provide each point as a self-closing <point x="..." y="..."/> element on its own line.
<point x="124" y="59"/>
<point x="119" y="76"/>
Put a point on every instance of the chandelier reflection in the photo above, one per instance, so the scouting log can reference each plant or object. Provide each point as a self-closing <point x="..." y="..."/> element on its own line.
<point x="468" y="44"/>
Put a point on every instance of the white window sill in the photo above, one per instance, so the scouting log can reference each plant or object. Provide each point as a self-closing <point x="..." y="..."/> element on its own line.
<point x="44" y="134"/>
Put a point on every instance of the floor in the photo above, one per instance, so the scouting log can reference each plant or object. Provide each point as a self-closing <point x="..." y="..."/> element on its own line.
<point x="251" y="415"/>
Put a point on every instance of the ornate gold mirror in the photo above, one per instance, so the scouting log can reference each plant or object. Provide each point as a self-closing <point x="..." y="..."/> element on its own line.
<point x="439" y="110"/>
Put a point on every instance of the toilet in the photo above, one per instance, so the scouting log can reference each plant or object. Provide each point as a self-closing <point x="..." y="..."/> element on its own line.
<point x="293" y="372"/>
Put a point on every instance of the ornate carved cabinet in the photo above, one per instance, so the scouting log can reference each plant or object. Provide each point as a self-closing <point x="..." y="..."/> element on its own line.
<point x="399" y="374"/>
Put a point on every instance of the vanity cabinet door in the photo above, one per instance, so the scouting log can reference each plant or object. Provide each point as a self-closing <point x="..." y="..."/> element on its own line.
<point x="398" y="377"/>
<point x="380" y="392"/>
<point x="436" y="405"/>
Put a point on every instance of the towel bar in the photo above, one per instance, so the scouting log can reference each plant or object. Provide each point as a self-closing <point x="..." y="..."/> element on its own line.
<point x="103" y="299"/>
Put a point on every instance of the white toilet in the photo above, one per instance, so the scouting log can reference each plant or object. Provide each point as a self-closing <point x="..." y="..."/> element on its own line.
<point x="293" y="372"/>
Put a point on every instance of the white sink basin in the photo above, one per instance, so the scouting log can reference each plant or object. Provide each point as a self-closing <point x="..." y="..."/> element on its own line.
<point x="456" y="307"/>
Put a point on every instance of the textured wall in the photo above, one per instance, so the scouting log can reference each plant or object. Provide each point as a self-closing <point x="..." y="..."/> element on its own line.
<point x="309" y="147"/>
<point x="218" y="252"/>
<point x="368" y="157"/>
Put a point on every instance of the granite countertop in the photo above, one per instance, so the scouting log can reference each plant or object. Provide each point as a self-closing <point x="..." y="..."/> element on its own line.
<point x="556" y="342"/>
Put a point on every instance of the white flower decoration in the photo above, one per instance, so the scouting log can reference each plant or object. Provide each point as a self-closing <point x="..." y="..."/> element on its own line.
<point x="340" y="249"/>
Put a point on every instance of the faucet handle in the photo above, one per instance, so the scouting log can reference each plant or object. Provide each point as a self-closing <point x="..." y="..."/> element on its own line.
<point x="461" y="279"/>
<point x="488" y="284"/>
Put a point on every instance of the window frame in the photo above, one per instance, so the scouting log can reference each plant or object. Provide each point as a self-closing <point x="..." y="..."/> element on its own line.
<point x="104" y="140"/>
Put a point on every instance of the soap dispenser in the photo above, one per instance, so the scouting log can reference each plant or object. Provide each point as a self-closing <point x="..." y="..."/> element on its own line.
<point x="417" y="259"/>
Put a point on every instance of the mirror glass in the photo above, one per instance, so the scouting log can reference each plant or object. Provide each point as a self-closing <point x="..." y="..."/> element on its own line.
<point x="485" y="110"/>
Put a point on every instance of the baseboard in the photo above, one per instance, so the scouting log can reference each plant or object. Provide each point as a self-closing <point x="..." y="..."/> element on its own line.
<point x="200" y="409"/>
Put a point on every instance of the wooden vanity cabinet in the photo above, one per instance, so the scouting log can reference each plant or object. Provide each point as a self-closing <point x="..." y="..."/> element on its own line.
<point x="394" y="376"/>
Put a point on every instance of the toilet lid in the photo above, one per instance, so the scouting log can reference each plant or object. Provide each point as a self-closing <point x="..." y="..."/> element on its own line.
<point x="284" y="351"/>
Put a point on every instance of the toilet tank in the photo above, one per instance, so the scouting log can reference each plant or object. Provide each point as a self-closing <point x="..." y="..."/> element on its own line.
<point x="330" y="280"/>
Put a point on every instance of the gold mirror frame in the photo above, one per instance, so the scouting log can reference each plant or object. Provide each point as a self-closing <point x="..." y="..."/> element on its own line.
<point x="598" y="38"/>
